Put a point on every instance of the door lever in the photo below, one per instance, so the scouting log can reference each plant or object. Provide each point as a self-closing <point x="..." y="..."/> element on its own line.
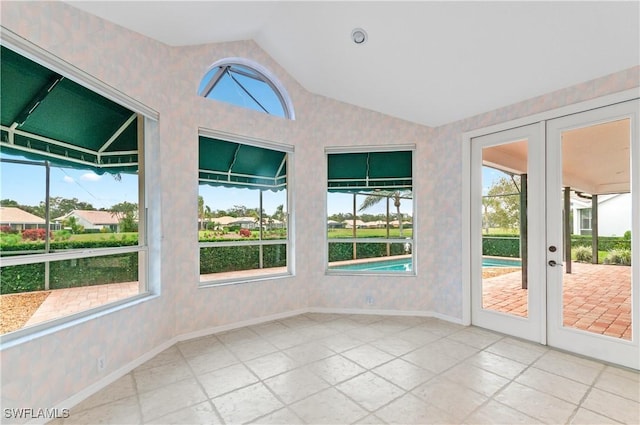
<point x="553" y="263"/>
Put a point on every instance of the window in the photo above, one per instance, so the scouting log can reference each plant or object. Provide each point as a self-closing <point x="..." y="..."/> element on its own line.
<point x="243" y="215"/>
<point x="72" y="196"/>
<point x="370" y="211"/>
<point x="585" y="221"/>
<point x="247" y="84"/>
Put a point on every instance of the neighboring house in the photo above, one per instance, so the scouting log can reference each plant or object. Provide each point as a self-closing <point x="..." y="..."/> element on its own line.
<point x="243" y="222"/>
<point x="93" y="219"/>
<point x="19" y="219"/>
<point x="614" y="215"/>
<point x="332" y="224"/>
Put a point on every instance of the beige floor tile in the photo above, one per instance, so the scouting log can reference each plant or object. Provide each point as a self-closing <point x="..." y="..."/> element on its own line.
<point x="295" y="385"/>
<point x="520" y="351"/>
<point x="572" y="367"/>
<point x="498" y="414"/>
<point x="335" y="369"/>
<point x="246" y="404"/>
<point x="209" y="361"/>
<point x="251" y="349"/>
<point x="202" y="413"/>
<point x="287" y="339"/>
<point x="431" y="359"/>
<point x="418" y="335"/>
<point x="308" y="353"/>
<point x="541" y="406"/>
<point x="328" y="407"/>
<point x="222" y="381"/>
<point x="367" y="356"/>
<point x="370" y="420"/>
<point x="271" y="365"/>
<point x="563" y="388"/>
<point x="123" y="411"/>
<point x="395" y="346"/>
<point x="404" y="374"/>
<point x="157" y="377"/>
<point x="587" y="417"/>
<point x="476" y="379"/>
<point x="409" y="409"/>
<point x="475" y="337"/>
<point x="341" y="342"/>
<point x="370" y="391"/>
<point x="280" y="417"/>
<point x="365" y="333"/>
<point x="497" y="364"/>
<point x="170" y="398"/>
<point x="613" y="406"/>
<point x="198" y="346"/>
<point x="122" y="388"/>
<point x="626" y="386"/>
<point x="169" y="355"/>
<point x="238" y="336"/>
<point x="451" y="397"/>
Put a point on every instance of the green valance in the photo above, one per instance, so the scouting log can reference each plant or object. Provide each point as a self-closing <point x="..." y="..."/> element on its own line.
<point x="365" y="171"/>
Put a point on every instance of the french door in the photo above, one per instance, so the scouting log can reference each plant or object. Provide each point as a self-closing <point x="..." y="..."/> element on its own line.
<point x="555" y="210"/>
<point x="592" y="197"/>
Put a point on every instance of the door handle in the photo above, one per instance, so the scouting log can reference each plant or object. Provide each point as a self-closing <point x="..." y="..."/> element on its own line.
<point x="553" y="263"/>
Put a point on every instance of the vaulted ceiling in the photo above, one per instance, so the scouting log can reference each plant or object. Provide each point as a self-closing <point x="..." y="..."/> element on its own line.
<point x="426" y="62"/>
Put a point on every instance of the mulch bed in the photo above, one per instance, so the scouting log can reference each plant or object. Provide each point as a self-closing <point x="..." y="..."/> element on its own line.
<point x="488" y="272"/>
<point x="17" y="309"/>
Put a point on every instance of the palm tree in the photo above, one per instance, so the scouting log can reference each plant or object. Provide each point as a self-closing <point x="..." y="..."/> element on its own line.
<point x="397" y="195"/>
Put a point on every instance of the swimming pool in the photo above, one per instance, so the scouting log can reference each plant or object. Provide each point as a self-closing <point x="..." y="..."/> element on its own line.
<point x="405" y="265"/>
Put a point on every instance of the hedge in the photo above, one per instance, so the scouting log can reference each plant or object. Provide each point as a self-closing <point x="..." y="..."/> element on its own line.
<point x="69" y="273"/>
<point x="244" y="257"/>
<point x="509" y="246"/>
<point x="340" y="251"/>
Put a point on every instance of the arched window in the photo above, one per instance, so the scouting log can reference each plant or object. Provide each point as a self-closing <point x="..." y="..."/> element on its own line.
<point x="245" y="83"/>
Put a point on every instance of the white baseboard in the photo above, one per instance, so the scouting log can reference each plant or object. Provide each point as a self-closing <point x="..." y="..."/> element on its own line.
<point x="382" y="312"/>
<point x="120" y="372"/>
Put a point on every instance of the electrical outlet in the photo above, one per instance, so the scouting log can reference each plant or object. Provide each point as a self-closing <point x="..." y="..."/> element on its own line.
<point x="369" y="299"/>
<point x="102" y="363"/>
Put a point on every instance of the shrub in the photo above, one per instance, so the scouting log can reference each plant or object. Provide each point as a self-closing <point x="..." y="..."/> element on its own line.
<point x="35" y="234"/>
<point x="582" y="253"/>
<point x="618" y="256"/>
<point x="245" y="233"/>
<point x="8" y="230"/>
<point x="627" y="235"/>
<point x="501" y="246"/>
<point x="62" y="235"/>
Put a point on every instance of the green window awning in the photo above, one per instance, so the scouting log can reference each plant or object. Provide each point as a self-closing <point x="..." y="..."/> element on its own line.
<point x="231" y="164"/>
<point x="364" y="171"/>
<point x="45" y="116"/>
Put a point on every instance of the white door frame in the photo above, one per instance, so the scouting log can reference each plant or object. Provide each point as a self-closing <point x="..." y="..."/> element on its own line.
<point x="611" y="349"/>
<point x="466" y="179"/>
<point x="531" y="327"/>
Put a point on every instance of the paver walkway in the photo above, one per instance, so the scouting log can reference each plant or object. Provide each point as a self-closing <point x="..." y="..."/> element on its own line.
<point x="596" y="298"/>
<point x="63" y="302"/>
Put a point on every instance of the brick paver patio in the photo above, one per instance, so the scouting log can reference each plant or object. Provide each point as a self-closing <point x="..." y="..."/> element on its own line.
<point x="597" y="298"/>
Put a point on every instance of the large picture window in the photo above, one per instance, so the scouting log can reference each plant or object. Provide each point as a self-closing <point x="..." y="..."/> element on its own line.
<point x="72" y="235"/>
<point x="243" y="215"/>
<point x="370" y="211"/>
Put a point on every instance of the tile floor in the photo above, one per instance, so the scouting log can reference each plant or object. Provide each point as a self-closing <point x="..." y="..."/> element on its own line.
<point x="365" y="369"/>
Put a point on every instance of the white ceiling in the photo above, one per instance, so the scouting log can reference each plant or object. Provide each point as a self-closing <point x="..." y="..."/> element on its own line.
<point x="426" y="62"/>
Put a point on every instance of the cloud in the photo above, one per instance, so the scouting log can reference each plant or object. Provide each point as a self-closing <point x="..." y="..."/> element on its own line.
<point x="90" y="177"/>
<point x="68" y="179"/>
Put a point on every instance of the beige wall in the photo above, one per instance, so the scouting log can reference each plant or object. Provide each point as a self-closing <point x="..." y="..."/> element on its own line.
<point x="51" y="368"/>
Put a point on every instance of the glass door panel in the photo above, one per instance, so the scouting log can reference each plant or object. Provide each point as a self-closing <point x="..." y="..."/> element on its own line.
<point x="592" y="193"/>
<point x="507" y="184"/>
<point x="504" y="228"/>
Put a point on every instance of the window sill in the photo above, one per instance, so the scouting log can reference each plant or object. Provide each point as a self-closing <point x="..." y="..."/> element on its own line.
<point x="243" y="276"/>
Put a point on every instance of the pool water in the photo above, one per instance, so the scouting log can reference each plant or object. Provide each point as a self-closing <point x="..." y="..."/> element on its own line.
<point x="405" y="265"/>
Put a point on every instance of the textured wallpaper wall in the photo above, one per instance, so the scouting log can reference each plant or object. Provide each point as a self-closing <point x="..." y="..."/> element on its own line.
<point x="50" y="368"/>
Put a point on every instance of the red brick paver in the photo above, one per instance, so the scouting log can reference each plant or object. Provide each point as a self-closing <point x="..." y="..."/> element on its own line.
<point x="596" y="298"/>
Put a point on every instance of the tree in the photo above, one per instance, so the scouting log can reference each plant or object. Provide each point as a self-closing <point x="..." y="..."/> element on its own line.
<point x="201" y="212"/>
<point x="72" y="224"/>
<point x="501" y="205"/>
<point x="397" y="195"/>
<point x="126" y="213"/>
<point x="59" y="206"/>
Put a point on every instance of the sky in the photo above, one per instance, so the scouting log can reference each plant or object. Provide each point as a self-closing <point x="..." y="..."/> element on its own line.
<point x="26" y="185"/>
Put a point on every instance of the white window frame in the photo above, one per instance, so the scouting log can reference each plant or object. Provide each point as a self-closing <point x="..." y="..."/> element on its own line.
<point x="252" y="275"/>
<point x="148" y="132"/>
<point x="370" y="149"/>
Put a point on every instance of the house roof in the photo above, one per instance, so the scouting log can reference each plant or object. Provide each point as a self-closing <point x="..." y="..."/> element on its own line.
<point x="93" y="217"/>
<point x="14" y="215"/>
